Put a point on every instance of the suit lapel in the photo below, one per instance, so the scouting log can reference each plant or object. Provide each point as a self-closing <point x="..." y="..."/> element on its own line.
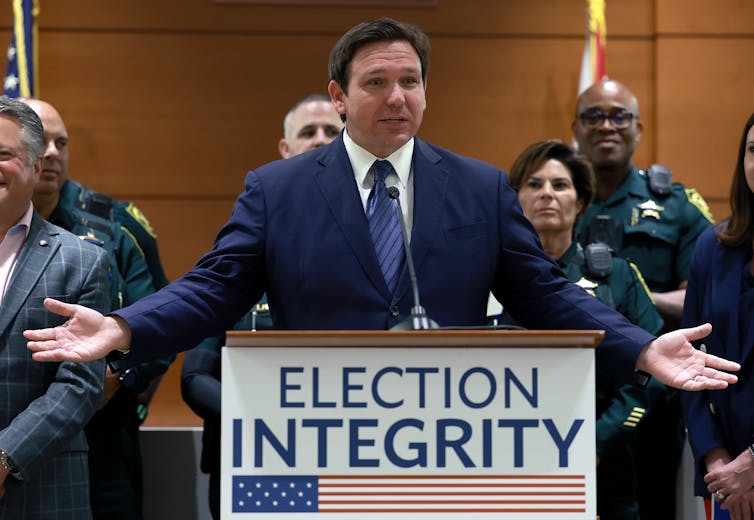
<point x="726" y="290"/>
<point x="35" y="254"/>
<point x="430" y="185"/>
<point x="335" y="178"/>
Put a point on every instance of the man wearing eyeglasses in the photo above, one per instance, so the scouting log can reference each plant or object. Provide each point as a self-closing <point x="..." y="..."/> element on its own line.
<point x="654" y="223"/>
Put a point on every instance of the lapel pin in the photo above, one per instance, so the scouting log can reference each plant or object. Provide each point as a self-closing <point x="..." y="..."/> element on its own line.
<point x="43" y="243"/>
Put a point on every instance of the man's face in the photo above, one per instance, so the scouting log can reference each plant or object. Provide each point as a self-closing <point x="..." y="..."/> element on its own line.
<point x="385" y="103"/>
<point x="605" y="144"/>
<point x="55" y="159"/>
<point x="313" y="124"/>
<point x="17" y="177"/>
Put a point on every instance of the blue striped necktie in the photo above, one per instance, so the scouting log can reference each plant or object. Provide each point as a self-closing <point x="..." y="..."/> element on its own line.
<point x="385" y="226"/>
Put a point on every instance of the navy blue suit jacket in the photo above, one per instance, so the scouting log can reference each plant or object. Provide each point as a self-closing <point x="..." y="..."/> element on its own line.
<point x="720" y="417"/>
<point x="299" y="232"/>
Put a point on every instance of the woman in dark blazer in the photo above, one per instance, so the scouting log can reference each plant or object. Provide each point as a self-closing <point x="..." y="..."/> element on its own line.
<point x="721" y="291"/>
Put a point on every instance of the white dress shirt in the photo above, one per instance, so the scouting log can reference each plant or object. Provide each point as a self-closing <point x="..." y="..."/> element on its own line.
<point x="401" y="178"/>
<point x="10" y="247"/>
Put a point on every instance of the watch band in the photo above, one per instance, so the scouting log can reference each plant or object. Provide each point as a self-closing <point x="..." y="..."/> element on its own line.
<point x="641" y="378"/>
<point x="7" y="464"/>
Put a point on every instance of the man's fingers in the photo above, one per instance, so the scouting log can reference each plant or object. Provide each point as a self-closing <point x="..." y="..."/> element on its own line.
<point x="37" y="335"/>
<point x="60" y="308"/>
<point x="713" y="362"/>
<point x="710" y="373"/>
<point x="703" y="383"/>
<point x="699" y="332"/>
<point x="711" y="379"/>
<point x="54" y="355"/>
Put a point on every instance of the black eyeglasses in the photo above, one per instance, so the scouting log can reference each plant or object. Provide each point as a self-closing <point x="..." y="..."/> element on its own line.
<point x="620" y="119"/>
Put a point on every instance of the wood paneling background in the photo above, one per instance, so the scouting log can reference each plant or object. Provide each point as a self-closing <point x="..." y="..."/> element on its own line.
<point x="168" y="103"/>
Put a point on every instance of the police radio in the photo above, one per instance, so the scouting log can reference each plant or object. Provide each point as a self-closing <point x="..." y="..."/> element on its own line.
<point x="598" y="259"/>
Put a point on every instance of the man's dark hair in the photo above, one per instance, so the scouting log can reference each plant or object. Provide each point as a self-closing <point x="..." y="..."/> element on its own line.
<point x="32" y="132"/>
<point x="739" y="229"/>
<point x="379" y="30"/>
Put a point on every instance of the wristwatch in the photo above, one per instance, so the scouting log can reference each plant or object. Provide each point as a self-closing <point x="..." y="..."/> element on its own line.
<point x="7" y="464"/>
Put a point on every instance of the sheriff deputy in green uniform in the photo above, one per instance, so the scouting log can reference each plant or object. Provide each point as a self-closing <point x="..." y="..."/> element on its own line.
<point x="126" y="214"/>
<point x="654" y="223"/>
<point x="113" y="433"/>
<point x="554" y="187"/>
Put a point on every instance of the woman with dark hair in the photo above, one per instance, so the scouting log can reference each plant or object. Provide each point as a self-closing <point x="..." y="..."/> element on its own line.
<point x="554" y="188"/>
<point x="721" y="291"/>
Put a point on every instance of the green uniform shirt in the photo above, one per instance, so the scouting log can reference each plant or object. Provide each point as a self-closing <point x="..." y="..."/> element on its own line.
<point x="75" y="195"/>
<point x="659" y="232"/>
<point x="130" y="277"/>
<point x="620" y="408"/>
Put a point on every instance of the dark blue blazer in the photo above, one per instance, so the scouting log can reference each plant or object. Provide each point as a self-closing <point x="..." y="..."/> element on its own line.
<point x="721" y="417"/>
<point x="299" y="233"/>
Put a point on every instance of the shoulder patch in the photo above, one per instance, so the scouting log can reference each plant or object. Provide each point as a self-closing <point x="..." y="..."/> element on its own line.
<point x="698" y="201"/>
<point x="141" y="219"/>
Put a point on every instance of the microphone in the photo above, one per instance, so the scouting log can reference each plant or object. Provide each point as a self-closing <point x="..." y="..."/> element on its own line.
<point x="418" y="319"/>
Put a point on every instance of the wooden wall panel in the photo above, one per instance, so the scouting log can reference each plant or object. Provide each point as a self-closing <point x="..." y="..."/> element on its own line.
<point x="153" y="114"/>
<point x="704" y="99"/>
<point x="515" y="91"/>
<point x="185" y="228"/>
<point x="733" y="18"/>
<point x="462" y="17"/>
<point x="146" y="120"/>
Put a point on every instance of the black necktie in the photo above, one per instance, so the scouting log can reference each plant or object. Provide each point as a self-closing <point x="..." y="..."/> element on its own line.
<point x="385" y="226"/>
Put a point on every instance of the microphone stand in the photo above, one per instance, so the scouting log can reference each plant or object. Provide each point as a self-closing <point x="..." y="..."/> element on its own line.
<point x="418" y="319"/>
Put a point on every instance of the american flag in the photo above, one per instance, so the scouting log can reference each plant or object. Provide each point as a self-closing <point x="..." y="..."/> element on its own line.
<point x="410" y="494"/>
<point x="21" y="73"/>
<point x="593" y="60"/>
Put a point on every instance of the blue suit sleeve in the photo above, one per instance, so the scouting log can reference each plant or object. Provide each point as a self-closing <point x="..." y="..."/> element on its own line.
<point x="207" y="300"/>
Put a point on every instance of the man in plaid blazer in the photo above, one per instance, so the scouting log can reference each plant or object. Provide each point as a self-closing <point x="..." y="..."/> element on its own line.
<point x="43" y="408"/>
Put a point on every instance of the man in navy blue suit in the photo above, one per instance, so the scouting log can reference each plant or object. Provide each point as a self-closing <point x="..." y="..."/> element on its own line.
<point x="302" y="232"/>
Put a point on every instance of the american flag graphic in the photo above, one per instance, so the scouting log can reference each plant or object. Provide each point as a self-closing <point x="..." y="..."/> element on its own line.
<point x="410" y="494"/>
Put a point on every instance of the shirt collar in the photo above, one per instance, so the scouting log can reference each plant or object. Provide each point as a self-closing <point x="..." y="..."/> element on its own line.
<point x="23" y="224"/>
<point x="633" y="185"/>
<point x="362" y="160"/>
<point x="564" y="260"/>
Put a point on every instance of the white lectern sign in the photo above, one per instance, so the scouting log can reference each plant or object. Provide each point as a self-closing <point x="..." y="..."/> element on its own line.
<point x="425" y="432"/>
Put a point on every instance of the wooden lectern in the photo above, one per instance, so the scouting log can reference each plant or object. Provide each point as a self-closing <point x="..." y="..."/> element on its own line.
<point x="441" y="424"/>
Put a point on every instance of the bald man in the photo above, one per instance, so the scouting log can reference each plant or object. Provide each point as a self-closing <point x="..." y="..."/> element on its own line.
<point x="311" y="122"/>
<point x="115" y="464"/>
<point x="654" y="223"/>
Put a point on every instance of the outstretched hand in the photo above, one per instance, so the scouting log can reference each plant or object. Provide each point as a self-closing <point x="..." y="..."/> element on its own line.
<point x="673" y="360"/>
<point x="86" y="336"/>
